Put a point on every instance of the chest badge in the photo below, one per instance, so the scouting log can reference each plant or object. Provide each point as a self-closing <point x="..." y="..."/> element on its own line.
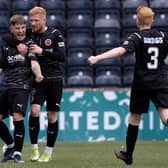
<point x="48" y="42"/>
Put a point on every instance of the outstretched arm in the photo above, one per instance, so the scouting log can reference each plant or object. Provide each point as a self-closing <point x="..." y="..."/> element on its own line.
<point x="116" y="52"/>
<point x="36" y="70"/>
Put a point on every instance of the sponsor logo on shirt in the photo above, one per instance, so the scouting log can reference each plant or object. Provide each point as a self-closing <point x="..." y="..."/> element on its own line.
<point x="60" y="44"/>
<point x="15" y="58"/>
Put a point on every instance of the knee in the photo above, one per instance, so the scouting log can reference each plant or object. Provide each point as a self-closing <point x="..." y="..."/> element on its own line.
<point x="1" y="117"/>
<point x="17" y="116"/>
<point x="35" y="110"/>
<point x="165" y="122"/>
<point x="135" y="119"/>
<point x="52" y="116"/>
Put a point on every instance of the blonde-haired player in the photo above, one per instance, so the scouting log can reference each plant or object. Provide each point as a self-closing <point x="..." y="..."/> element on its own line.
<point x="50" y="51"/>
<point x="150" y="75"/>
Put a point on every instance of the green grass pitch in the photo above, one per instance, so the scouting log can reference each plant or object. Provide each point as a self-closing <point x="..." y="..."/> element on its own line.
<point x="149" y="154"/>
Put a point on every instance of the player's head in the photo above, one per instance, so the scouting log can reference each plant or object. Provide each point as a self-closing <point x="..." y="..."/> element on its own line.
<point x="144" y="16"/>
<point x="18" y="27"/>
<point x="37" y="17"/>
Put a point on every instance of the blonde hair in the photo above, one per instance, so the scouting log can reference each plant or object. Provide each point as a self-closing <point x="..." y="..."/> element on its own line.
<point x="37" y="10"/>
<point x="145" y="15"/>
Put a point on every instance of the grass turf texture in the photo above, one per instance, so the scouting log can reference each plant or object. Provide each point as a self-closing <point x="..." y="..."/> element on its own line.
<point x="96" y="155"/>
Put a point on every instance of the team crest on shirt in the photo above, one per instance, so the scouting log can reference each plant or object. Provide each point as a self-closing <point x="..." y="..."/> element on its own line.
<point x="48" y="42"/>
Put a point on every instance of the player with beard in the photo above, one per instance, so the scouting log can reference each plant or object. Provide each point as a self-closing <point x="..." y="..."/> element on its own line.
<point x="50" y="51"/>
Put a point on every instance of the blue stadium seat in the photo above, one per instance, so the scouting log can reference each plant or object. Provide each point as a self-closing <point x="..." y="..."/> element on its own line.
<point x="161" y="21"/>
<point x="107" y="21"/>
<point x="56" y="20"/>
<point x="106" y="38"/>
<point x="104" y="6"/>
<point x="80" y="20"/>
<point x="26" y="17"/>
<point x="107" y="4"/>
<point x="78" y="56"/>
<point x="130" y="6"/>
<point x="22" y="6"/>
<point x="128" y="75"/>
<point x="80" y="77"/>
<point x="129" y="21"/>
<point x="5" y="6"/>
<point x="79" y="5"/>
<point x="79" y="39"/>
<point x="160" y="6"/>
<point x="108" y="77"/>
<point x="53" y="6"/>
<point x="4" y="23"/>
<point x="129" y="59"/>
<point x="129" y="25"/>
<point x="105" y="27"/>
<point x="161" y="13"/>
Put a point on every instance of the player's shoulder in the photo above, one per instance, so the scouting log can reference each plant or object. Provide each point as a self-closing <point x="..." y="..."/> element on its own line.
<point x="135" y="37"/>
<point x="8" y="40"/>
<point x="55" y="32"/>
<point x="164" y="34"/>
<point x="7" y="37"/>
<point x="148" y="33"/>
<point x="50" y="29"/>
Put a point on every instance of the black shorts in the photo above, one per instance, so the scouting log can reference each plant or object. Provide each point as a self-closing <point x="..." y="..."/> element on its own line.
<point x="49" y="91"/>
<point x="18" y="100"/>
<point x="140" y="99"/>
<point x="4" y="108"/>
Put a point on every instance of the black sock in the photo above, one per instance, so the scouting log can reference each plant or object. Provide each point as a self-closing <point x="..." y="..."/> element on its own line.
<point x="132" y="134"/>
<point x="34" y="128"/>
<point x="5" y="134"/>
<point x="19" y="132"/>
<point x="52" y="132"/>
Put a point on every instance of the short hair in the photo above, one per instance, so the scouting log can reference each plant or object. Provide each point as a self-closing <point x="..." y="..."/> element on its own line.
<point x="145" y="15"/>
<point x="17" y="19"/>
<point x="37" y="10"/>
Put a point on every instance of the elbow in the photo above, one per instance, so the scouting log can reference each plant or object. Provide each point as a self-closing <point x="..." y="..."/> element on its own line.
<point x="120" y="54"/>
<point x="121" y="51"/>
